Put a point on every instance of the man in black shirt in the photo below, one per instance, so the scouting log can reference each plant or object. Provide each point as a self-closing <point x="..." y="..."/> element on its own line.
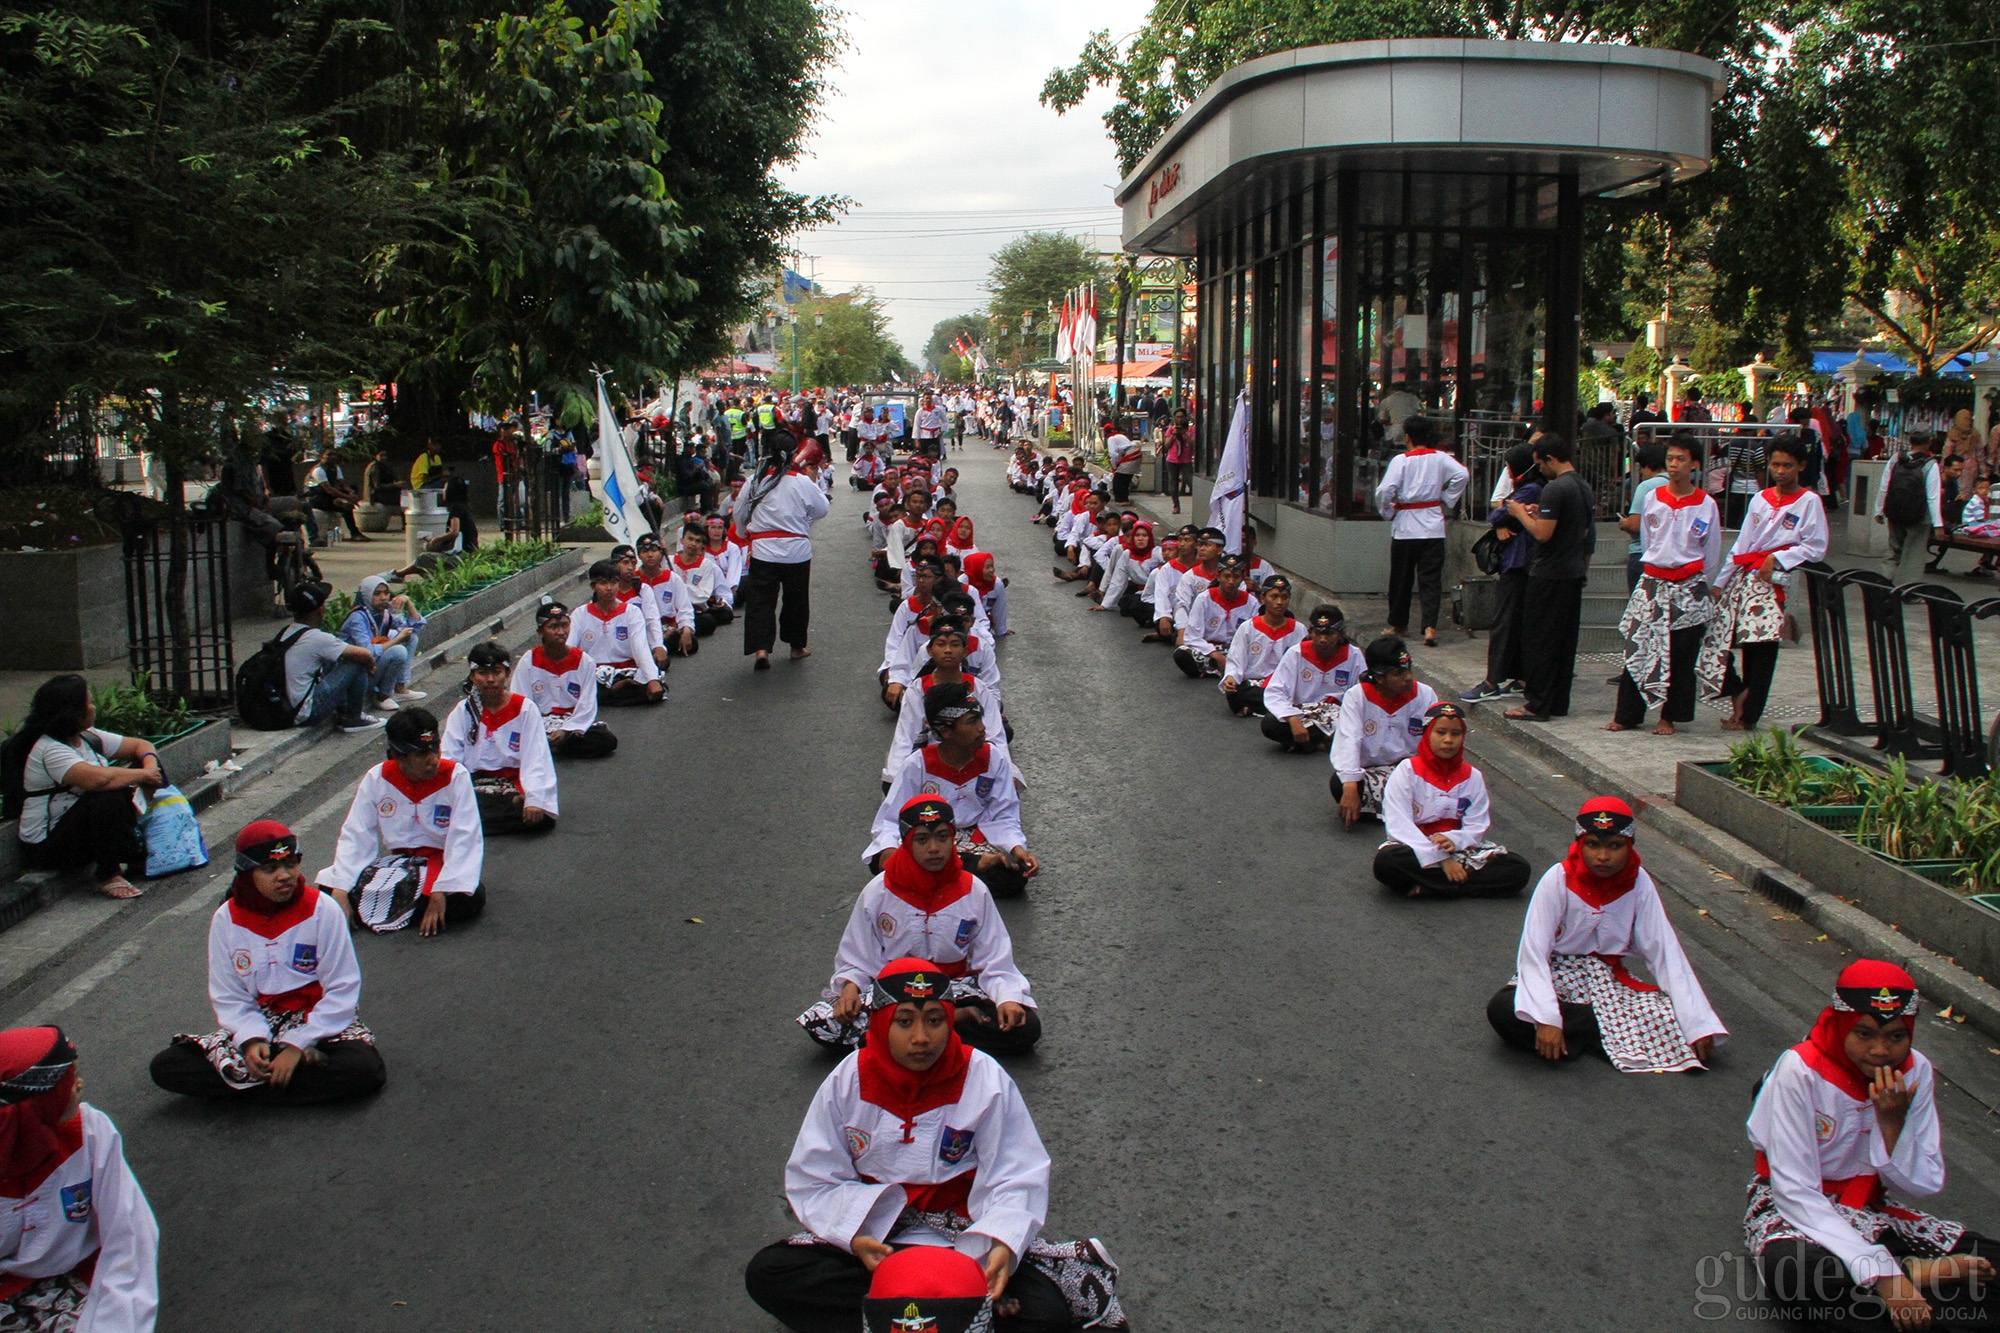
<point x="1563" y="523"/>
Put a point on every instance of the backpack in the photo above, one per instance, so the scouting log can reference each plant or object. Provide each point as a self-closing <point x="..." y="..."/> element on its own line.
<point x="1905" y="500"/>
<point x="261" y="698"/>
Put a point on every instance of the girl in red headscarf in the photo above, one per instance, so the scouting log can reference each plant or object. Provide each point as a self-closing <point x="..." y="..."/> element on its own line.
<point x="1843" y="1117"/>
<point x="285" y="984"/>
<point x="1436" y="813"/>
<point x="982" y="577"/>
<point x="916" y="1139"/>
<point x="961" y="538"/>
<point x="1128" y="565"/>
<point x="1593" y="910"/>
<point x="79" y="1249"/>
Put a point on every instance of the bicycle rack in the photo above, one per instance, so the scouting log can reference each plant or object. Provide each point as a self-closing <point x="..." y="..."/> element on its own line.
<point x="1833" y="655"/>
<point x="1899" y="729"/>
<point x="1956" y="673"/>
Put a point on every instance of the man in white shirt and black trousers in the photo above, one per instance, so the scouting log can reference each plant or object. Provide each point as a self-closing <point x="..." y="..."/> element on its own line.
<point x="775" y="515"/>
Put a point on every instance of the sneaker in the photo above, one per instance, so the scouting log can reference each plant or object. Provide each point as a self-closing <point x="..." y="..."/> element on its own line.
<point x="407" y="695"/>
<point x="1481" y="693"/>
<point x="354" y="726"/>
<point x="385" y="704"/>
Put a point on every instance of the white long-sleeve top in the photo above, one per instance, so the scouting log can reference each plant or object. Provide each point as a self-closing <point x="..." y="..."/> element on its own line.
<point x="1212" y="620"/>
<point x="391" y="813"/>
<point x="982" y="795"/>
<point x="672" y="598"/>
<point x="302" y="950"/>
<point x="1633" y="925"/>
<point x="617" y="638"/>
<point x="911" y="617"/>
<point x="1129" y="571"/>
<point x="1186" y="589"/>
<point x="1256" y="649"/>
<point x="731" y="560"/>
<point x="1302" y="679"/>
<point x="979" y="660"/>
<point x="913" y="731"/>
<point x="1162" y="586"/>
<point x="781" y="526"/>
<point x="1073" y="528"/>
<point x="565" y="690"/>
<point x="1681" y="536"/>
<point x="1794" y="530"/>
<point x="512" y="741"/>
<point x="91" y="1204"/>
<point x="1416" y="488"/>
<point x="855" y="1165"/>
<point x="1370" y="736"/>
<point x="1933" y="486"/>
<point x="703" y="579"/>
<point x="1809" y="1133"/>
<point x="966" y="938"/>
<point x="1409" y="802"/>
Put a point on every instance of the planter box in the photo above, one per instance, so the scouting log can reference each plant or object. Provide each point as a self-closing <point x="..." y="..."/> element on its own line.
<point x="1935" y="917"/>
<point x="447" y="622"/>
<point x="575" y="534"/>
<point x="67" y="607"/>
<point x="186" y="755"/>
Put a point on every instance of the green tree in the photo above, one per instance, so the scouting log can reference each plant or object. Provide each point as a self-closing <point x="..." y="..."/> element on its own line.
<point x="842" y="339"/>
<point x="1030" y="273"/>
<point x="937" y="352"/>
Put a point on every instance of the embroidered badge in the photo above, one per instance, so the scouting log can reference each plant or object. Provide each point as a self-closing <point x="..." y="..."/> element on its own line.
<point x="441" y="816"/>
<point x="955" y="1144"/>
<point x="965" y="929"/>
<point x="622" y="633"/>
<point x="514" y="741"/>
<point x="305" y="958"/>
<point x="1699" y="527"/>
<point x="886" y="924"/>
<point x="1464" y="804"/>
<point x="1823" y="1126"/>
<point x="1416" y="725"/>
<point x="982" y="787"/>
<point x="1340" y="677"/>
<point x="386" y="806"/>
<point x="1789" y="521"/>
<point x="1368" y="727"/>
<point x="929" y="788"/>
<point x="241" y="961"/>
<point x="918" y="987"/>
<point x="76" y="1201"/>
<point x="857" y="1140"/>
<point x="575" y="689"/>
<point x="913" y="1321"/>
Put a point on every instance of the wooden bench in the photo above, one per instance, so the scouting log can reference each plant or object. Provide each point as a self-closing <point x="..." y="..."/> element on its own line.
<point x="1940" y="547"/>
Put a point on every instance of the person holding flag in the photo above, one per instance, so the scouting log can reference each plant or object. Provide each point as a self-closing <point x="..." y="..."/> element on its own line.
<point x="623" y="521"/>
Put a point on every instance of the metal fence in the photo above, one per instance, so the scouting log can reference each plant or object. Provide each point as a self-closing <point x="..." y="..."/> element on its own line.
<point x="177" y="602"/>
<point x="1730" y="455"/>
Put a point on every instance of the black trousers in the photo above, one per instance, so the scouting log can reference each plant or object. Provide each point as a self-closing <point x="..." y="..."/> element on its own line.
<point x="1248" y="695"/>
<point x="352" y="1069"/>
<point x="1760" y="660"/>
<point x="1579" y="1024"/>
<point x="596" y="743"/>
<point x="1121" y="487"/>
<point x="979" y="1027"/>
<point x="1501" y="877"/>
<point x="1684" y="646"/>
<point x="498" y="815"/>
<point x="1550" y="621"/>
<point x="673" y="639"/>
<point x="1813" y="1286"/>
<point x="1503" y="641"/>
<point x="711" y="618"/>
<point x="1001" y="880"/>
<point x="1279" y="729"/>
<point x="1415" y="562"/>
<point x="819" y="1289"/>
<point x="628" y="694"/>
<point x="1193" y="665"/>
<point x="763" y="622"/>
<point x="101" y="829"/>
<point x="1135" y="607"/>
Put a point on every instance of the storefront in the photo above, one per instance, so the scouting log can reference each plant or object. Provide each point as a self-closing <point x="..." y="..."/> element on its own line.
<point x="1388" y="229"/>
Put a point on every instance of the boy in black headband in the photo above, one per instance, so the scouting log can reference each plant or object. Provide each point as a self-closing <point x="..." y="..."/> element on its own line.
<point x="1302" y="695"/>
<point x="977" y="779"/>
<point x="561" y="682"/>
<point x="500" y="736"/>
<point x="1212" y="620"/>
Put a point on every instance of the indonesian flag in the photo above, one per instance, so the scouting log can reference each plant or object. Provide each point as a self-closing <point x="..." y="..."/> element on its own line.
<point x="1086" y="339"/>
<point x="1232" y="477"/>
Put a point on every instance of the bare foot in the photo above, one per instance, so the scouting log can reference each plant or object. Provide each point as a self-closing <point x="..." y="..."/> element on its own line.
<point x="1665" y="728"/>
<point x="763" y="662"/>
<point x="1732" y="724"/>
<point x="119" y="887"/>
<point x="1616" y="726"/>
<point x="798" y="653"/>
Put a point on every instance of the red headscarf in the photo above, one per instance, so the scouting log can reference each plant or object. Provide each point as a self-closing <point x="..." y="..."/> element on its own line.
<point x="37" y="1076"/>
<point x="926" y="890"/>
<point x="1132" y="542"/>
<point x="261" y="842"/>
<point x="1601" y="814"/>
<point x="906" y="1093"/>
<point x="1866" y="985"/>
<point x="979" y="572"/>
<point x="1444" y="774"/>
<point x="961" y="535"/>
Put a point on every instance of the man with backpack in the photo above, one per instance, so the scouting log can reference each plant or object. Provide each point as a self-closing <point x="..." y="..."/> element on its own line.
<point x="323" y="676"/>
<point x="1911" y="500"/>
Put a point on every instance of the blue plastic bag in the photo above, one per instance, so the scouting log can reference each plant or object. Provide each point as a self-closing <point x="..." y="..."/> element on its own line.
<point x="172" y="834"/>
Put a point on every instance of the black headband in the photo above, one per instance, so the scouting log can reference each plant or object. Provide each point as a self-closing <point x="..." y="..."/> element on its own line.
<point x="267" y="853"/>
<point x="1881" y="1002"/>
<point x="45" y="1075"/>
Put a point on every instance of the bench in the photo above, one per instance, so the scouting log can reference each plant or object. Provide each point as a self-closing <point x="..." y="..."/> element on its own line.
<point x="1940" y="547"/>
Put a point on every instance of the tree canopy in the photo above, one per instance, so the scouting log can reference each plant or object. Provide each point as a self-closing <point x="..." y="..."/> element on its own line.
<point x="842" y="339"/>
<point x="1031" y="273"/>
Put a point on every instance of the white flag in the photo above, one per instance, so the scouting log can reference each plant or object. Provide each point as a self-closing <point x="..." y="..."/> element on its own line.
<point x="1232" y="477"/>
<point x="622" y="519"/>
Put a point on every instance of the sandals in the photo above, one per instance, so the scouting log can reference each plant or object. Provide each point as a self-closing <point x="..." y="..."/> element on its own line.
<point x="120" y="888"/>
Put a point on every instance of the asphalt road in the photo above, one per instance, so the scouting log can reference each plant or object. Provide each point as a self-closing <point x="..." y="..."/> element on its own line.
<point x="1269" y="1089"/>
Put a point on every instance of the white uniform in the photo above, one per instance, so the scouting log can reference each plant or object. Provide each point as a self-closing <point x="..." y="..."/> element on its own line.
<point x="1128" y="570"/>
<point x="1794" y="530"/>
<point x="91" y="1205"/>
<point x="1162" y="587"/>
<point x="1190" y="586"/>
<point x="913" y="732"/>
<point x="781" y="525"/>
<point x="1212" y="620"/>
<point x="1256" y="649"/>
<point x="731" y="560"/>
<point x="564" y="693"/>
<point x="855" y="1166"/>
<point x="1371" y="736"/>
<point x="390" y="813"/>
<point x="1413" y="809"/>
<point x="965" y="938"/>
<point x="982" y="795"/>
<point x="979" y="660"/>
<point x="1680" y="535"/>
<point x="703" y="580"/>
<point x="672" y="599"/>
<point x="301" y="955"/>
<point x="616" y="639"/>
<point x="1302" y="679"/>
<point x="1416" y="488"/>
<point x="512" y="743"/>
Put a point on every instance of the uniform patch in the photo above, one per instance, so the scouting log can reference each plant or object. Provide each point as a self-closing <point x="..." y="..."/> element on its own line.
<point x="386" y="806"/>
<point x="1699" y="527"/>
<point x="929" y="787"/>
<point x="955" y="1144"/>
<point x="1464" y="804"/>
<point x="982" y="787"/>
<point x="886" y="924"/>
<point x="1368" y="727"/>
<point x="514" y="742"/>
<point x="1823" y="1126"/>
<point x="857" y="1140"/>
<point x="305" y="958"/>
<point x="76" y="1202"/>
<point x="622" y="633"/>
<point x="1789" y="521"/>
<point x="1340" y="677"/>
<point x="440" y="816"/>
<point x="965" y="928"/>
<point x="1416" y="725"/>
<point x="242" y="962"/>
<point x="576" y="689"/>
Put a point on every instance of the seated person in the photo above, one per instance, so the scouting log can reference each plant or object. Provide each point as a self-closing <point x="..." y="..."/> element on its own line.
<point x="83" y="1251"/>
<point x="977" y="779"/>
<point x="1303" y="692"/>
<point x="947" y="649"/>
<point x="912" y="616"/>
<point x="1155" y="609"/>
<point x="1257" y="647"/>
<point x="1131" y="569"/>
<point x="962" y="606"/>
<point x="284" y="982"/>
<point x="1199" y="578"/>
<point x="1844" y="1117"/>
<point x="561" y="682"/>
<point x="410" y="845"/>
<point x="1377" y="728"/>
<point x="867" y="467"/>
<point x="1257" y="571"/>
<point x="673" y="604"/>
<point x="1571" y="987"/>
<point x="1977" y="520"/>
<point x="500" y="736"/>
<point x="613" y="632"/>
<point x="325" y="678"/>
<point x="1213" y="618"/>
<point x="1436" y="813"/>
<point x="916" y="1140"/>
<point x="982" y="580"/>
<point x="926" y="904"/>
<point x="702" y="576"/>
<point x="75" y="808"/>
<point x="386" y="623"/>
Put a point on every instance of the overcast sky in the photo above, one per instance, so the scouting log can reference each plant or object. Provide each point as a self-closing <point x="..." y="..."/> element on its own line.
<point x="934" y="130"/>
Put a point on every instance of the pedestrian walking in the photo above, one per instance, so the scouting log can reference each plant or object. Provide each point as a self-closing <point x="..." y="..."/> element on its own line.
<point x="775" y="515"/>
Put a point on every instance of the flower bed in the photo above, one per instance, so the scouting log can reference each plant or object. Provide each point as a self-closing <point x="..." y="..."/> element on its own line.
<point x="479" y="570"/>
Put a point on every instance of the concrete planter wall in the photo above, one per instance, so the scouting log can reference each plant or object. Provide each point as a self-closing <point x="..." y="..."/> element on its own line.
<point x="1928" y="913"/>
<point x="450" y="621"/>
<point x="68" y="606"/>
<point x="184" y="757"/>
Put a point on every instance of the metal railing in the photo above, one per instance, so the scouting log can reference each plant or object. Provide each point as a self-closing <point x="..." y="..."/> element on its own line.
<point x="177" y="611"/>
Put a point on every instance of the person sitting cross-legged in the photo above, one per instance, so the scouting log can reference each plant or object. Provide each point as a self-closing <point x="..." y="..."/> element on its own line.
<point x="1213" y="618"/>
<point x="501" y="737"/>
<point x="561" y="682"/>
<point x="612" y="629"/>
<point x="1302" y="695"/>
<point x="1379" y="722"/>
<point x="1436" y="813"/>
<point x="977" y="779"/>
<point x="926" y="904"/>
<point x="1260" y="643"/>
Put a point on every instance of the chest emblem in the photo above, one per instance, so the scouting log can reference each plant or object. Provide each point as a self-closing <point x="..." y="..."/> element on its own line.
<point x="857" y="1140"/>
<point x="242" y="962"/>
<point x="386" y="806"/>
<point x="982" y="787"/>
<point x="1368" y="727"/>
<point x="955" y="1144"/>
<point x="305" y="958"/>
<point x="1823" y="1126"/>
<point x="621" y="633"/>
<point x="965" y="929"/>
<point x="929" y="787"/>
<point x="76" y="1202"/>
<point x="1416" y="725"/>
<point x="886" y="924"/>
<point x="514" y="741"/>
<point x="1699" y="527"/>
<point x="576" y="689"/>
<point x="1789" y="521"/>
<point x="440" y="816"/>
<point x="1340" y="677"/>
